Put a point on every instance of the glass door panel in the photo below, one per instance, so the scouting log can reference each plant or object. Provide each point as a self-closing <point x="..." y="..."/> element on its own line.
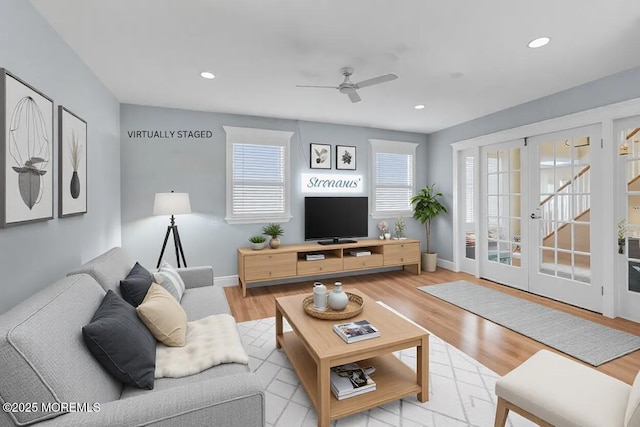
<point x="501" y="258"/>
<point x="561" y="224"/>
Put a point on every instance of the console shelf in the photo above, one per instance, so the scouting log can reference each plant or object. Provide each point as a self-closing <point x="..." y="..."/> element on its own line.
<point x="290" y="261"/>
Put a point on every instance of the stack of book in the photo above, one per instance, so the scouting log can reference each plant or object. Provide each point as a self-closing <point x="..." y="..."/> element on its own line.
<point x="351" y="380"/>
<point x="359" y="252"/>
<point x="314" y="257"/>
<point x="356" y="331"/>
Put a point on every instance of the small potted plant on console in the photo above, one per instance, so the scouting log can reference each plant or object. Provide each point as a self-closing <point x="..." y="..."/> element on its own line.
<point x="275" y="231"/>
<point x="257" y="242"/>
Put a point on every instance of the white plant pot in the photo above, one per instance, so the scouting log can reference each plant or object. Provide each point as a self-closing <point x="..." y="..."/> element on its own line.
<point x="257" y="246"/>
<point x="429" y="261"/>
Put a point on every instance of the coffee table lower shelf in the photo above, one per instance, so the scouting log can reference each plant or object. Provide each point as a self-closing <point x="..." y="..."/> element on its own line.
<point x="394" y="380"/>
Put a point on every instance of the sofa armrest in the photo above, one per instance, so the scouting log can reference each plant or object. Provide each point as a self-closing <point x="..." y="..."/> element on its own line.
<point x="235" y="400"/>
<point x="196" y="277"/>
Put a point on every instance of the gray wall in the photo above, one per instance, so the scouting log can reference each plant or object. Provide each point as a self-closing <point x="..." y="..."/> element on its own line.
<point x="615" y="88"/>
<point x="34" y="255"/>
<point x="198" y="166"/>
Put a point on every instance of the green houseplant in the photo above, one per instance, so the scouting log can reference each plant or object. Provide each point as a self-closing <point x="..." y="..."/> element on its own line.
<point x="275" y="231"/>
<point x="257" y="242"/>
<point x="427" y="206"/>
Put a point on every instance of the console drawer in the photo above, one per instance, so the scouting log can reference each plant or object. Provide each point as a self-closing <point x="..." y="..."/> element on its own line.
<point x="362" y="262"/>
<point x="403" y="253"/>
<point x="320" y="266"/>
<point x="270" y="266"/>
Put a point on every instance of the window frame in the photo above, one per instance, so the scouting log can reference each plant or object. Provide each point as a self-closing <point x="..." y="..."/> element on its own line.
<point x="390" y="147"/>
<point x="255" y="136"/>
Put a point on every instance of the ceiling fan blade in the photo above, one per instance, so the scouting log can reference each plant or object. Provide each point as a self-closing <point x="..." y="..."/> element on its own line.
<point x="376" y="80"/>
<point x="322" y="87"/>
<point x="353" y="96"/>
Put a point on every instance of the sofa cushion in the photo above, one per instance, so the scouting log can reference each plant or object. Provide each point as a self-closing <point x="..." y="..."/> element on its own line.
<point x="135" y="286"/>
<point x="164" y="316"/>
<point x="107" y="269"/>
<point x="168" y="278"/>
<point x="205" y="301"/>
<point x="43" y="358"/>
<point x="121" y="342"/>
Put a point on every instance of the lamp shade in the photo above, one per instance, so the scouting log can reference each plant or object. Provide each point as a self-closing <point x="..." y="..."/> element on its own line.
<point x="171" y="204"/>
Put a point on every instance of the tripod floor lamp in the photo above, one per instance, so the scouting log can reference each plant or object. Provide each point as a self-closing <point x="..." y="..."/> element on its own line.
<point x="172" y="204"/>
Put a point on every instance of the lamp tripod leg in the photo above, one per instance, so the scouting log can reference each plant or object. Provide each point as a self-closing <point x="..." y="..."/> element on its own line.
<point x="164" y="245"/>
<point x="179" y="251"/>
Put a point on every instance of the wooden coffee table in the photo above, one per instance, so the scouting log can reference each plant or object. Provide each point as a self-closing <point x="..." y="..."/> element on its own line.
<point x="313" y="348"/>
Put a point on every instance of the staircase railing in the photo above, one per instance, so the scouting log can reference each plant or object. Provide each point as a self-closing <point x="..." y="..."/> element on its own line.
<point x="560" y="208"/>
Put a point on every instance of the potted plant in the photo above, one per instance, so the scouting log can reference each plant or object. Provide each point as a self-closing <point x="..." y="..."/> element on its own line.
<point x="400" y="227"/>
<point x="622" y="235"/>
<point x="427" y="206"/>
<point x="275" y="231"/>
<point x="257" y="242"/>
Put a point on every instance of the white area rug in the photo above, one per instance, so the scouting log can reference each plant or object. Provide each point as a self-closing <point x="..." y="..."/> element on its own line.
<point x="461" y="390"/>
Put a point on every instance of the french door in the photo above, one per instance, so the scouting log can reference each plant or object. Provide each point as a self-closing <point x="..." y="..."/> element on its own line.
<point x="627" y="133"/>
<point x="566" y="212"/>
<point x="540" y="209"/>
<point x="500" y="250"/>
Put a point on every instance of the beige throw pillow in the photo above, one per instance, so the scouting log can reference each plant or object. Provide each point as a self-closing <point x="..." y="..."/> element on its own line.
<point x="164" y="316"/>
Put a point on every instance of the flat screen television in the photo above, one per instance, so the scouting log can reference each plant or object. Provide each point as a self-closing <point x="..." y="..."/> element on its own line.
<point x="335" y="218"/>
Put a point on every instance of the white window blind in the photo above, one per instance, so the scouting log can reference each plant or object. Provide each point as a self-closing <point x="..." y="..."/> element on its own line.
<point x="258" y="180"/>
<point x="257" y="175"/>
<point x="394" y="177"/>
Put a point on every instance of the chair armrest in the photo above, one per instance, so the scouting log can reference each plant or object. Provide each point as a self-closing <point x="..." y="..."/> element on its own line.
<point x="235" y="400"/>
<point x="196" y="277"/>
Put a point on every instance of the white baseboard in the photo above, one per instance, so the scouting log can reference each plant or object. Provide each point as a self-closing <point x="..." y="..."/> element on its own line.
<point x="226" y="281"/>
<point x="448" y="265"/>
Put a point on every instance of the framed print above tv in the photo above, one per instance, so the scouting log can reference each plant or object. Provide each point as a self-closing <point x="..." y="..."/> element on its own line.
<point x="345" y="157"/>
<point x="72" y="164"/>
<point x="26" y="150"/>
<point x="320" y="156"/>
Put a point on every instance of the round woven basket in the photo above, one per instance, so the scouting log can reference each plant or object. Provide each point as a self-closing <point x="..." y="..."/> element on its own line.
<point x="353" y="308"/>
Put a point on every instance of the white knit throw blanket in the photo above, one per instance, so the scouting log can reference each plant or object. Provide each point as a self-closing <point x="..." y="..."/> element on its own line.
<point x="210" y="341"/>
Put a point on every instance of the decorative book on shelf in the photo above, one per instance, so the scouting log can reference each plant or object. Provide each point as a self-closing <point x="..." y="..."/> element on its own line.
<point x="359" y="252"/>
<point x="356" y="331"/>
<point x="351" y="380"/>
<point x="314" y="257"/>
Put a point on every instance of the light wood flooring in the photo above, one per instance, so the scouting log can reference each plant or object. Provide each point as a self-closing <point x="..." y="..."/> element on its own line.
<point x="494" y="346"/>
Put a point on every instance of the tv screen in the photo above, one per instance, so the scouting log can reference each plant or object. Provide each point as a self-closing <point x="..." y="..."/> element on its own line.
<point x="335" y="218"/>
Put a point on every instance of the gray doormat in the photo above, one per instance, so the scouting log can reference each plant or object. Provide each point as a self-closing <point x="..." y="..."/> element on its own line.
<point x="585" y="340"/>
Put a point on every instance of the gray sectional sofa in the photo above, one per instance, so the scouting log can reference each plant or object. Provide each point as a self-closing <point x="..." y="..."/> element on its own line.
<point x="44" y="363"/>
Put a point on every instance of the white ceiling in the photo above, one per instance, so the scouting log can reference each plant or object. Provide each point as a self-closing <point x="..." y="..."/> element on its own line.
<point x="463" y="59"/>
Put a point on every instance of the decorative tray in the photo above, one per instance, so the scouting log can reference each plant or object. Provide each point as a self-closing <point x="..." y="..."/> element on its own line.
<point x="355" y="306"/>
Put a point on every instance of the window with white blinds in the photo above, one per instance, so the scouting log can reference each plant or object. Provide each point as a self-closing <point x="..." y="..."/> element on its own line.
<point x="257" y="175"/>
<point x="393" y="177"/>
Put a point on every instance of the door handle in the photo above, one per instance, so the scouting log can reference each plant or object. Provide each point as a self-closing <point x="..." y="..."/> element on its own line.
<point x="534" y="216"/>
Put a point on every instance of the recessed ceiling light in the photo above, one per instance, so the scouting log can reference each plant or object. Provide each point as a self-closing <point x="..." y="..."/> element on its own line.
<point x="207" y="75"/>
<point x="419" y="107"/>
<point x="539" y="42"/>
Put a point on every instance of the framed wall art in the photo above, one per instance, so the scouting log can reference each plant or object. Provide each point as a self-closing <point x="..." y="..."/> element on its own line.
<point x="26" y="152"/>
<point x="345" y="157"/>
<point x="320" y="156"/>
<point x="72" y="161"/>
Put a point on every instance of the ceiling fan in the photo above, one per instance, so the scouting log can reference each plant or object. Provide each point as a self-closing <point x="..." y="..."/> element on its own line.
<point x="349" y="88"/>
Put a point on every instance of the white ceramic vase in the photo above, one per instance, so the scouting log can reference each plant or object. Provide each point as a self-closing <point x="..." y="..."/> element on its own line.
<point x="319" y="297"/>
<point x="338" y="300"/>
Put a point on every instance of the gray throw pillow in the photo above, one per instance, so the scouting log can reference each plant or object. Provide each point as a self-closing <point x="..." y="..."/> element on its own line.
<point x="121" y="343"/>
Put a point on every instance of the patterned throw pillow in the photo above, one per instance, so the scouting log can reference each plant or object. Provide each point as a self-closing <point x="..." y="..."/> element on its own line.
<point x="168" y="278"/>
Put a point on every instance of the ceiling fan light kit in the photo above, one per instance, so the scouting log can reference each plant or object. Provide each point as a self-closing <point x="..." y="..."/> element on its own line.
<point x="348" y="88"/>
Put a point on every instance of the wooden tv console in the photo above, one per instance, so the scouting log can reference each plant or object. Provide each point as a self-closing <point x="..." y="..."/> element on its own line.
<point x="290" y="261"/>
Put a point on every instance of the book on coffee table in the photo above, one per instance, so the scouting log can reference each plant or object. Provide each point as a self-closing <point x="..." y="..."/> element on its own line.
<point x="350" y="380"/>
<point x="356" y="331"/>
